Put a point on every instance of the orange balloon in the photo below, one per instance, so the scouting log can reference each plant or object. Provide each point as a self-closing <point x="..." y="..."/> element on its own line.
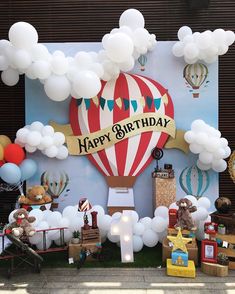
<point x="4" y="140"/>
<point x="1" y="152"/>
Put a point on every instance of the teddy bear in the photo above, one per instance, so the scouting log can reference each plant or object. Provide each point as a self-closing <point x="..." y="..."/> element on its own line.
<point x="22" y="224"/>
<point x="184" y="217"/>
<point x="35" y="196"/>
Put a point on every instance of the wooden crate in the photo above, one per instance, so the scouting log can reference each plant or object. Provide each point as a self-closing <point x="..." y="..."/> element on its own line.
<point x="164" y="192"/>
<point x="214" y="269"/>
<point x="74" y="251"/>
<point x="228" y="251"/>
<point x="91" y="235"/>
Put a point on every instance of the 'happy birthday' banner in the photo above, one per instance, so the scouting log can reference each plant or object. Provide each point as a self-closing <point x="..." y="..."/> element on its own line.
<point x="144" y="122"/>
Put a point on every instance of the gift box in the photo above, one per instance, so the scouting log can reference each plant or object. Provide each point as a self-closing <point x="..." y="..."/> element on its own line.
<point x="179" y="258"/>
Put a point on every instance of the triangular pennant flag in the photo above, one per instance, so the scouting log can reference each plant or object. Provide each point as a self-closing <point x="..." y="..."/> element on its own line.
<point x="142" y="101"/>
<point x="95" y="100"/>
<point x="149" y="101"/>
<point x="110" y="104"/>
<point x="79" y="101"/>
<point x="157" y="103"/>
<point x="119" y="102"/>
<point x="102" y="102"/>
<point x="134" y="105"/>
<point x="126" y="103"/>
<point x="87" y="103"/>
<point x="165" y="99"/>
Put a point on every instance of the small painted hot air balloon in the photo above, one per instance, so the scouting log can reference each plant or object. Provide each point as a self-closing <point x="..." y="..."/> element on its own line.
<point x="56" y="182"/>
<point x="142" y="61"/>
<point x="195" y="75"/>
<point x="194" y="181"/>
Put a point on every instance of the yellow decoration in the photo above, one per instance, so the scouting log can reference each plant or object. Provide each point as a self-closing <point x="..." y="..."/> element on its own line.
<point x="178" y="142"/>
<point x="1" y="152"/>
<point x="142" y="101"/>
<point x="4" y="140"/>
<point x="119" y="102"/>
<point x="95" y="100"/>
<point x="179" y="241"/>
<point x="180" y="261"/>
<point x="65" y="129"/>
<point x="181" y="271"/>
<point x="165" y="99"/>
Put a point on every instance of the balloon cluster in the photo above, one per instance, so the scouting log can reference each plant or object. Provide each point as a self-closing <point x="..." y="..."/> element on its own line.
<point x="206" y="46"/>
<point x="146" y="231"/>
<point x="14" y="167"/>
<point x="78" y="76"/>
<point x="39" y="137"/>
<point x="208" y="143"/>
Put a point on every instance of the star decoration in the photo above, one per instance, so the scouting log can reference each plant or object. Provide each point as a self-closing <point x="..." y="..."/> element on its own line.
<point x="179" y="241"/>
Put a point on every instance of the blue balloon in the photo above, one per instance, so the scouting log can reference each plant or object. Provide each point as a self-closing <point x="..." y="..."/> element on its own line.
<point x="10" y="173"/>
<point x="28" y="168"/>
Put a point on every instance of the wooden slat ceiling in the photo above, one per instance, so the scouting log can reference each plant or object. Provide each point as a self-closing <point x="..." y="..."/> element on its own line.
<point x="88" y="21"/>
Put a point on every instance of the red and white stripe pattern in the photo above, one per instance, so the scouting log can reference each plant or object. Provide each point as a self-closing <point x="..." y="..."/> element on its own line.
<point x="132" y="155"/>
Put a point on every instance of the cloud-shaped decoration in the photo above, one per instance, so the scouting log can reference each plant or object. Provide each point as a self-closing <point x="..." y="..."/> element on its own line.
<point x="207" y="142"/>
<point x="39" y="137"/>
<point x="205" y="46"/>
<point x="78" y="76"/>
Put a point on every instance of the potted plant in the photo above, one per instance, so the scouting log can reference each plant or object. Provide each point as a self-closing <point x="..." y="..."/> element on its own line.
<point x="222" y="259"/>
<point x="76" y="237"/>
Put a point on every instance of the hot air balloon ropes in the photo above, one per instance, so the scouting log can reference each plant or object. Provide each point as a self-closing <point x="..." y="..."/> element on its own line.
<point x="194" y="181"/>
<point x="164" y="184"/>
<point x="195" y="76"/>
<point x="56" y="182"/>
<point x="118" y="128"/>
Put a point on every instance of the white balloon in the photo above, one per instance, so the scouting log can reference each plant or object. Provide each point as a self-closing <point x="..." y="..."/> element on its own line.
<point x="36" y="126"/>
<point x="189" y="137"/>
<point x="196" y="148"/>
<point x="137" y="243"/>
<point x="46" y="142"/>
<point x="37" y="213"/>
<point x="219" y="36"/>
<point x="113" y="238"/>
<point x="39" y="52"/>
<point x="206" y="157"/>
<point x="178" y="49"/>
<point x="191" y="51"/>
<point x="42" y="225"/>
<point x="193" y="199"/>
<point x="36" y="238"/>
<point x="219" y="165"/>
<point x="201" y="138"/>
<point x="204" y="202"/>
<point x="219" y="153"/>
<point x="161" y="211"/>
<point x="54" y="219"/>
<point x="30" y="73"/>
<point x="30" y="148"/>
<point x="198" y="125"/>
<point x="227" y="152"/>
<point x="99" y="209"/>
<point x="44" y="245"/>
<point x="69" y="212"/>
<point x="3" y="63"/>
<point x="183" y="32"/>
<point x="116" y="215"/>
<point x="34" y="138"/>
<point x="132" y="18"/>
<point x="173" y="206"/>
<point x="22" y="134"/>
<point x="140" y="37"/>
<point x="146" y="221"/>
<point x="41" y="69"/>
<point x="204" y="40"/>
<point x="58" y="138"/>
<point x="230" y="37"/>
<point x="213" y="144"/>
<point x="203" y="166"/>
<point x="59" y="65"/>
<point x="62" y="153"/>
<point x="46" y="214"/>
<point x="138" y="229"/>
<point x="23" y="35"/>
<point x="57" y="88"/>
<point x="223" y="142"/>
<point x="150" y="238"/>
<point x="128" y="65"/>
<point x="159" y="224"/>
<point x="222" y="49"/>
<point x="51" y="151"/>
<point x="83" y="60"/>
<point x="104" y="222"/>
<point x="119" y="47"/>
<point x="201" y="214"/>
<point x="134" y="217"/>
<point x="22" y="59"/>
<point x="98" y="69"/>
<point x="48" y="131"/>
<point x="87" y="84"/>
<point x="10" y="77"/>
<point x="75" y="223"/>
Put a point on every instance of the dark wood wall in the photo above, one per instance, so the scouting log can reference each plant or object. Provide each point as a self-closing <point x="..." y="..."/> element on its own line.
<point x="88" y="21"/>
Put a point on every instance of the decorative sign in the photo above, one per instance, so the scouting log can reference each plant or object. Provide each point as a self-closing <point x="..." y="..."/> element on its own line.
<point x="137" y="124"/>
<point x="118" y="129"/>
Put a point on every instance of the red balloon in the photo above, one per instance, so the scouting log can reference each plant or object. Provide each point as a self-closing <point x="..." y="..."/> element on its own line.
<point x="1" y="162"/>
<point x="14" y="153"/>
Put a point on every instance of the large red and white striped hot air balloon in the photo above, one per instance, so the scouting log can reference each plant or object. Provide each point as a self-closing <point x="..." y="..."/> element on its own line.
<point x="120" y="99"/>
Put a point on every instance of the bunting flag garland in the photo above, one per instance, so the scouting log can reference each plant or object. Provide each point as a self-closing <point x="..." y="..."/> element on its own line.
<point x="123" y="102"/>
<point x="119" y="102"/>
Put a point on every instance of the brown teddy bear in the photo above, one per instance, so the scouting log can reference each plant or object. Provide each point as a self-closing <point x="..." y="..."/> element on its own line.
<point x="21" y="225"/>
<point x="184" y="218"/>
<point x="35" y="196"/>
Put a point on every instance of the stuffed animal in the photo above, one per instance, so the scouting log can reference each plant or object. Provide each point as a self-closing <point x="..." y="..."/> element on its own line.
<point x="184" y="218"/>
<point x="35" y="196"/>
<point x="21" y="225"/>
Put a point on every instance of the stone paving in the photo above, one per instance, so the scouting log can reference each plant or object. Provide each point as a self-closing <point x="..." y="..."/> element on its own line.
<point x="113" y="280"/>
